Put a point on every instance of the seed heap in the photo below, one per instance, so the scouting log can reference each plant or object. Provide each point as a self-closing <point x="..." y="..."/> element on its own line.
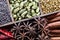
<point x="4" y="12"/>
<point x="50" y="5"/>
<point x="22" y="9"/>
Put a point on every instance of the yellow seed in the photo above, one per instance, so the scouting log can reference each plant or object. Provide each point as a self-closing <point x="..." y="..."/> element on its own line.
<point x="50" y="5"/>
<point x="42" y="6"/>
<point x="58" y="0"/>
<point x="54" y="5"/>
<point x="59" y="6"/>
<point x="47" y="0"/>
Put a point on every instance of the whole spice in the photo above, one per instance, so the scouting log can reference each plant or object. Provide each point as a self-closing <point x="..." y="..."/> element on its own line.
<point x="16" y="30"/>
<point x="9" y="34"/>
<point x="27" y="31"/>
<point x="3" y="36"/>
<point x="48" y="6"/>
<point x="53" y="16"/>
<point x="31" y="30"/>
<point x="55" y="31"/>
<point x="54" y="35"/>
<point x="22" y="9"/>
<point x="41" y="23"/>
<point x="53" y="25"/>
<point x="55" y="38"/>
<point x="55" y="19"/>
<point x="4" y="12"/>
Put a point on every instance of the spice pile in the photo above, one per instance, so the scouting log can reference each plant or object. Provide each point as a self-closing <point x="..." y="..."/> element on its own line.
<point x="48" y="6"/>
<point x="22" y="9"/>
<point x="4" y="12"/>
<point x="5" y="35"/>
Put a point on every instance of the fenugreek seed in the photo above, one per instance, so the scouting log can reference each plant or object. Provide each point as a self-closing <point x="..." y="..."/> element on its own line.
<point x="50" y="5"/>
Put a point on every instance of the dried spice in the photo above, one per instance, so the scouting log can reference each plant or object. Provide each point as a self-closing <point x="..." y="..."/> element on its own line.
<point x="43" y="32"/>
<point x="54" y="25"/>
<point x="4" y="12"/>
<point x="55" y="38"/>
<point x="48" y="6"/>
<point x="16" y="30"/>
<point x="22" y="9"/>
<point x="34" y="30"/>
<point x="54" y="22"/>
<point x="5" y="35"/>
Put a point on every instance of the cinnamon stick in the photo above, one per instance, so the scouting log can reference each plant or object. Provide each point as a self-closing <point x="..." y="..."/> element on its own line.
<point x="55" y="38"/>
<point x="55" y="31"/>
<point x="53" y="25"/>
<point x="53" y="16"/>
<point x="54" y="35"/>
<point x="55" y="19"/>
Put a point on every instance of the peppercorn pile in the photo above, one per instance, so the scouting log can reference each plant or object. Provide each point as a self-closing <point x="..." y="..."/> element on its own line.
<point x="4" y="12"/>
<point x="48" y="6"/>
<point x="22" y="9"/>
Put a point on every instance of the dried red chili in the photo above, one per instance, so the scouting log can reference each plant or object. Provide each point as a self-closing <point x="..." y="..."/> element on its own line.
<point x="4" y="37"/>
<point x="9" y="34"/>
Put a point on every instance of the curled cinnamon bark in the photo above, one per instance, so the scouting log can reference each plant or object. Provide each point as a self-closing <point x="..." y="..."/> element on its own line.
<point x="55" y="31"/>
<point x="58" y="14"/>
<point x="55" y="19"/>
<point x="54" y="35"/>
<point x="55" y="38"/>
<point x="53" y="16"/>
<point x="53" y="25"/>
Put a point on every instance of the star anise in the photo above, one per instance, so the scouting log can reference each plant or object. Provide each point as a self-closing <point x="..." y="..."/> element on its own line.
<point x="16" y="29"/>
<point x="43" y="37"/>
<point x="41" y="24"/>
<point x="31" y="38"/>
<point x="31" y="29"/>
<point x="37" y="22"/>
<point x="22" y="36"/>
